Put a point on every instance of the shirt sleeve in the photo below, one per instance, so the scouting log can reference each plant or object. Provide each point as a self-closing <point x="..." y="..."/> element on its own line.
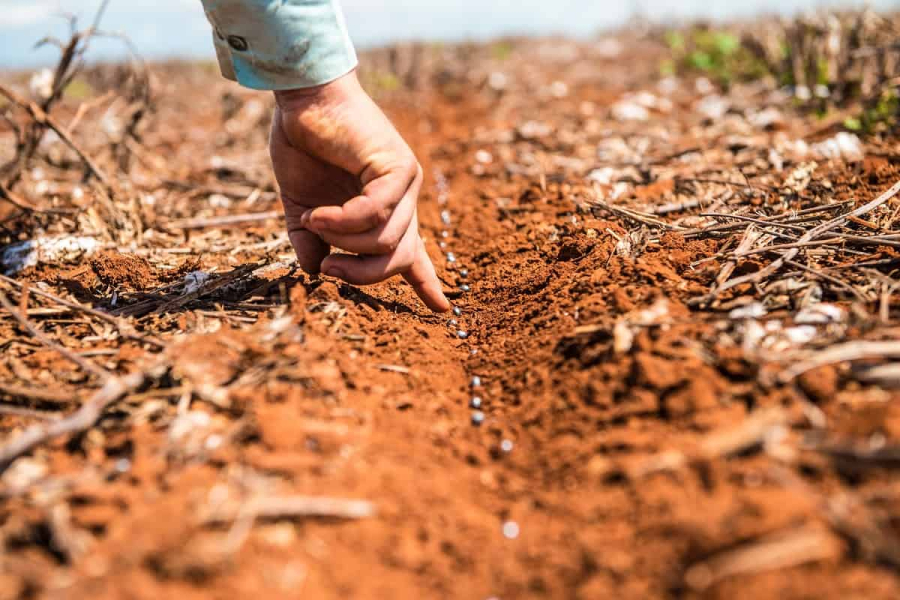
<point x="280" y="44"/>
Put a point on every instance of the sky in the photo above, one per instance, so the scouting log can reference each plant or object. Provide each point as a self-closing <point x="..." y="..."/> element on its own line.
<point x="177" y="28"/>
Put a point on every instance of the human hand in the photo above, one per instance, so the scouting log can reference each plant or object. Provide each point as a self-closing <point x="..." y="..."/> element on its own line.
<point x="348" y="180"/>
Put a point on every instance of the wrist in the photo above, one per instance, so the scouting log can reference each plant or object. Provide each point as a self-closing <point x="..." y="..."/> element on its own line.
<point x="328" y="93"/>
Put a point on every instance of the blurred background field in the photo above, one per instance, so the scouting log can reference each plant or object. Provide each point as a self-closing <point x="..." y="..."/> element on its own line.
<point x="177" y="28"/>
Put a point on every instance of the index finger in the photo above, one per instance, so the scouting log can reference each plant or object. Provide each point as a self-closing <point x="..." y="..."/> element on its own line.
<point x="424" y="280"/>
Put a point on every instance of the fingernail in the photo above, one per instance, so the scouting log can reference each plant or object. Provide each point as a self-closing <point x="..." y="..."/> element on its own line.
<point x="334" y="272"/>
<point x="304" y="218"/>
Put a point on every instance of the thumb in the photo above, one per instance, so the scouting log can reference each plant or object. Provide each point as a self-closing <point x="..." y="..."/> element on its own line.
<point x="424" y="280"/>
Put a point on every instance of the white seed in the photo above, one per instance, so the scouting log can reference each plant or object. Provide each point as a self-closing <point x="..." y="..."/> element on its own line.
<point x="462" y="334"/>
<point x="510" y="530"/>
<point x="475" y="402"/>
<point x="506" y="446"/>
<point x="477" y="418"/>
<point x="457" y="311"/>
<point x="476" y="381"/>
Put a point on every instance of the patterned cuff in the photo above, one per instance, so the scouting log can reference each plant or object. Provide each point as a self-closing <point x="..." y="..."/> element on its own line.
<point x="280" y="44"/>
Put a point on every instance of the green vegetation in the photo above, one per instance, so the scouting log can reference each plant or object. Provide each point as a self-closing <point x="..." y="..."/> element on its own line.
<point x="803" y="56"/>
<point x="78" y="89"/>
<point x="381" y="81"/>
<point x="885" y="113"/>
<point x="717" y="54"/>
<point x="501" y="50"/>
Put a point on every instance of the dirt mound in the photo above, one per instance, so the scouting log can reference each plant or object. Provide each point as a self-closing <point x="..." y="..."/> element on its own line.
<point x="122" y="271"/>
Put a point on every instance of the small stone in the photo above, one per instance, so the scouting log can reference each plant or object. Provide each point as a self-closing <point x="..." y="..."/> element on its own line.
<point x="457" y="311"/>
<point x="475" y="402"/>
<point x="213" y="442"/>
<point x="465" y="287"/>
<point x="477" y="418"/>
<point x="476" y="381"/>
<point x="462" y="334"/>
<point x="510" y="530"/>
<point x="484" y="157"/>
<point x="506" y="446"/>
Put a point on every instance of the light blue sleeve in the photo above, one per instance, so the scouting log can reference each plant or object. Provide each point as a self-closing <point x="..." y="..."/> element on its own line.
<point x="280" y="44"/>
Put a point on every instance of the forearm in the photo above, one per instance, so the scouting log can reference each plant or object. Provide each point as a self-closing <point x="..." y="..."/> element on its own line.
<point x="280" y="44"/>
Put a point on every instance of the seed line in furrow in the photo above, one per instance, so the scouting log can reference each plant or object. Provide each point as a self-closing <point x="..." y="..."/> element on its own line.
<point x="510" y="529"/>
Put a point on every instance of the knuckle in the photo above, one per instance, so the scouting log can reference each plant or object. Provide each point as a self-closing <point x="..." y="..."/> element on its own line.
<point x="386" y="244"/>
<point x="380" y="216"/>
<point x="412" y="169"/>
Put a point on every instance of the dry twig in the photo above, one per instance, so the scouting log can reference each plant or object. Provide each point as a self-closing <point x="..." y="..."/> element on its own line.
<point x="43" y="118"/>
<point x="780" y="551"/>
<point x="279" y="507"/>
<point x="855" y="350"/>
<point x="202" y="223"/>
<point x="810" y="235"/>
<point x="114" y="389"/>
<point x="39" y="335"/>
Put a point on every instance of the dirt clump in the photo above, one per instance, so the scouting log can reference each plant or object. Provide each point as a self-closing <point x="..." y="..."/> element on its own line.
<point x="123" y="271"/>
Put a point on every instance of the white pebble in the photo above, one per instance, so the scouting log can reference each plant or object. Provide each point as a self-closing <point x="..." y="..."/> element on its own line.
<point x="510" y="530"/>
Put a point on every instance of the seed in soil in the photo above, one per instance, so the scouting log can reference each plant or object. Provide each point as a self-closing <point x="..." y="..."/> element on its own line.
<point x="506" y="446"/>
<point x="510" y="530"/>
<point x="457" y="311"/>
<point x="445" y="234"/>
<point x="453" y="322"/>
<point x="477" y="418"/>
<point x="123" y="465"/>
<point x="442" y="245"/>
<point x="463" y="273"/>
<point x="473" y="351"/>
<point x="475" y="402"/>
<point x="465" y="287"/>
<point x="445" y="217"/>
<point x="462" y="334"/>
<point x="476" y="381"/>
<point x="451" y="258"/>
